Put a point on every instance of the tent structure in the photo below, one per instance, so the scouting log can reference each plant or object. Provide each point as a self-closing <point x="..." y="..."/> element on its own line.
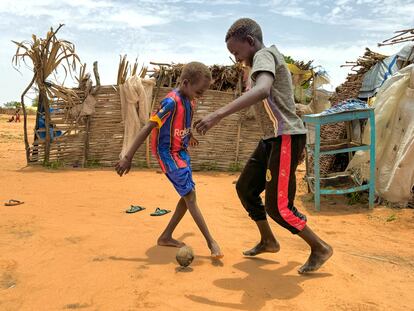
<point x="394" y="114"/>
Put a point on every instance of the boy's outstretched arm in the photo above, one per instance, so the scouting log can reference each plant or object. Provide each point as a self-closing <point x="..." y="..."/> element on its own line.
<point x="124" y="165"/>
<point x="259" y="92"/>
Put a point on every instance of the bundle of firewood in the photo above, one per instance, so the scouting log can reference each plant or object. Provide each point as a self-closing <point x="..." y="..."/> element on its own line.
<point x="351" y="87"/>
<point x="401" y="36"/>
<point x="225" y="78"/>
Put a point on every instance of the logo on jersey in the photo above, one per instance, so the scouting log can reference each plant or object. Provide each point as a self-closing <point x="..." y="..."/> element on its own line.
<point x="182" y="133"/>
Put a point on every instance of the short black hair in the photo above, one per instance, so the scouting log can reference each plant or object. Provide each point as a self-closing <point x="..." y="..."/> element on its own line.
<point x="194" y="72"/>
<point x="244" y="27"/>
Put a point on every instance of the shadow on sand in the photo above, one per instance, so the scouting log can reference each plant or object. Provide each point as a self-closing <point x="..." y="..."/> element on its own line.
<point x="260" y="285"/>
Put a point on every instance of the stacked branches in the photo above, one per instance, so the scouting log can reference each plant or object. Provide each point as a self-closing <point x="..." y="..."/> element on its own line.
<point x="225" y="78"/>
<point x="351" y="87"/>
<point x="126" y="69"/>
<point x="401" y="36"/>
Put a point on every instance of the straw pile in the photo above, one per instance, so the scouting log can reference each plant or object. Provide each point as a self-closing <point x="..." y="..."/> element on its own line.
<point x="350" y="88"/>
<point x="225" y="78"/>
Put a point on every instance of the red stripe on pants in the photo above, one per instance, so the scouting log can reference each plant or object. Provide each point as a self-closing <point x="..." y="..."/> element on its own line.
<point x="283" y="185"/>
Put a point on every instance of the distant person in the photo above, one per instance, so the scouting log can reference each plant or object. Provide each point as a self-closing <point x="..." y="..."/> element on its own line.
<point x="17" y="115"/>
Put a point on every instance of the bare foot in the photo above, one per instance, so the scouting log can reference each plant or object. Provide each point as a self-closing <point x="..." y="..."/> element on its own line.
<point x="215" y="250"/>
<point x="264" y="246"/>
<point x="169" y="242"/>
<point x="316" y="259"/>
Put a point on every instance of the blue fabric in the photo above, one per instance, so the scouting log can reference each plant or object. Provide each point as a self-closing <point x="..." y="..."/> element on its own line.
<point x="182" y="180"/>
<point x="389" y="69"/>
<point x="348" y="105"/>
<point x="41" y="124"/>
<point x="375" y="77"/>
<point x="52" y="132"/>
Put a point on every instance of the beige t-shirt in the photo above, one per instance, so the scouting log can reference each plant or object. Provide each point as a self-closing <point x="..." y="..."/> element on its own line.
<point x="276" y="114"/>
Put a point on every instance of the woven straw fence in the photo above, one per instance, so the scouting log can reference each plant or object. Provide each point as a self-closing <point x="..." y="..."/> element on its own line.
<point x="97" y="141"/>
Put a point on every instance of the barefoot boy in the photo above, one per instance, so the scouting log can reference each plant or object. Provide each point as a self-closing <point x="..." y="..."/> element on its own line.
<point x="171" y="126"/>
<point x="273" y="164"/>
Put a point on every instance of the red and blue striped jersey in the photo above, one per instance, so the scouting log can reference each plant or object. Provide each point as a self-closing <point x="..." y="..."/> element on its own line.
<point x="171" y="137"/>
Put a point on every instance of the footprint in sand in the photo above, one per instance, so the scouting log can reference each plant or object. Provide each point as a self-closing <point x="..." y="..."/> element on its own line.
<point x="19" y="230"/>
<point x="8" y="278"/>
<point x="369" y="306"/>
<point x="75" y="239"/>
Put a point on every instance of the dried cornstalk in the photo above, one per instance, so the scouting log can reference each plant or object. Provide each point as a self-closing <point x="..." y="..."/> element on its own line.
<point x="47" y="56"/>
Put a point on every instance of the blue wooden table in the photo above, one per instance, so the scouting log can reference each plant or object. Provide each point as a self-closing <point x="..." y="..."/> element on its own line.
<point x="317" y="149"/>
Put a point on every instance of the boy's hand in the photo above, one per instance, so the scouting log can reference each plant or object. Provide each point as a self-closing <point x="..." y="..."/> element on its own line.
<point x="123" y="166"/>
<point x="203" y="125"/>
<point x="193" y="141"/>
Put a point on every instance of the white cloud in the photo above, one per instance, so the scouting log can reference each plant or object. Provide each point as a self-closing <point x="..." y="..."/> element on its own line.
<point x="88" y="14"/>
<point x="151" y="30"/>
<point x="368" y="15"/>
<point x="135" y="19"/>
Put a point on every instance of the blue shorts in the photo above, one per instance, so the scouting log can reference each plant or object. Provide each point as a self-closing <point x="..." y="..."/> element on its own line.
<point x="182" y="180"/>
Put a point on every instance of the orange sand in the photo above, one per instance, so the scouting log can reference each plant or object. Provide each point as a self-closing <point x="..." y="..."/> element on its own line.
<point x="71" y="246"/>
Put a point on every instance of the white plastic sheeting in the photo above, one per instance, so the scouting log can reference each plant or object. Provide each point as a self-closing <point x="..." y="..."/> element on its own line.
<point x="394" y="114"/>
<point x="136" y="98"/>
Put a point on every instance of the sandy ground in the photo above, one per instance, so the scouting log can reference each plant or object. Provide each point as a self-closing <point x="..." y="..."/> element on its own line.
<point x="71" y="246"/>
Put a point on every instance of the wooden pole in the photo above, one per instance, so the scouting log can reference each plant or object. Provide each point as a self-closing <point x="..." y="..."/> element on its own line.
<point x="26" y="139"/>
<point x="43" y="100"/>
<point x="43" y="94"/>
<point x="96" y="74"/>
<point x="86" y="142"/>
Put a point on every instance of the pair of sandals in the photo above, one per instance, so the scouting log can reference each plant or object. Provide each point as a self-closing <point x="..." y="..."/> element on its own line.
<point x="13" y="202"/>
<point x="158" y="211"/>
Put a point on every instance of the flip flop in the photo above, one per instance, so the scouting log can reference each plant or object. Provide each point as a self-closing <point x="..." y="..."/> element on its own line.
<point x="13" y="202"/>
<point x="134" y="209"/>
<point x="160" y="212"/>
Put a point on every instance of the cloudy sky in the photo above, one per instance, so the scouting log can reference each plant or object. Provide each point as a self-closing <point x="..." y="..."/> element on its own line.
<point x="329" y="32"/>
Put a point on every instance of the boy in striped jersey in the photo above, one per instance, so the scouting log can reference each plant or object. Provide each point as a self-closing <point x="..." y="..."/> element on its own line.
<point x="171" y="135"/>
<point x="273" y="164"/>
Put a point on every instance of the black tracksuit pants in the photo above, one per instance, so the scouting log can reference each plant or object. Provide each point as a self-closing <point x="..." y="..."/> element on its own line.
<point x="272" y="168"/>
